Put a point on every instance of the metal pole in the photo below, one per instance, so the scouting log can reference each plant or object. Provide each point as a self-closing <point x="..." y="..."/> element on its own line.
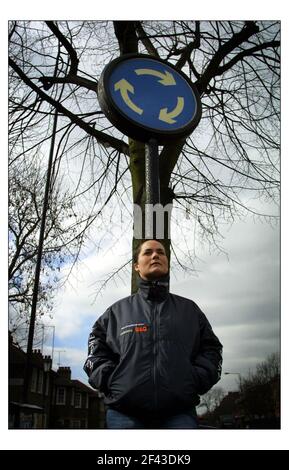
<point x="38" y="264"/>
<point x="53" y="338"/>
<point x="60" y="351"/>
<point x="152" y="186"/>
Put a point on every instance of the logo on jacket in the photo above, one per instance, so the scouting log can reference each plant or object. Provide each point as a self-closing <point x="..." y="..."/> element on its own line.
<point x="141" y="329"/>
<point x="134" y="327"/>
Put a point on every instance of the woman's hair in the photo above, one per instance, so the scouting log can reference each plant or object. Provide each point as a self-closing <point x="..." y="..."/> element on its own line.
<point x="138" y="249"/>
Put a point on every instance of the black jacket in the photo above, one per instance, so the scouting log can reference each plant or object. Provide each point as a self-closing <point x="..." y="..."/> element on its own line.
<point x="153" y="352"/>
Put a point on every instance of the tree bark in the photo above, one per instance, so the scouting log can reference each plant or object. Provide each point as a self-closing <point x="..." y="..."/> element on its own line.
<point x="128" y="43"/>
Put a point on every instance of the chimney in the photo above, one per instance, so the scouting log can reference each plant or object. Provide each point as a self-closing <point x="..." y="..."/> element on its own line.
<point x="37" y="357"/>
<point x="37" y="353"/>
<point x="64" y="372"/>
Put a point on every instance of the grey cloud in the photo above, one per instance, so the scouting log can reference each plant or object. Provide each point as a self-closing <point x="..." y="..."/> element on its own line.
<point x="241" y="296"/>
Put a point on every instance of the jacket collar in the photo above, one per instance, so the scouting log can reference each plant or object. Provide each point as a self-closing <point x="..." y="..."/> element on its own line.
<point x="156" y="290"/>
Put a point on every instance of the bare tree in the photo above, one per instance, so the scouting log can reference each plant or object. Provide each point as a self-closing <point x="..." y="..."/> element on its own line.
<point x="212" y="399"/>
<point x="265" y="372"/>
<point x="61" y="242"/>
<point x="214" y="175"/>
<point x="260" y="390"/>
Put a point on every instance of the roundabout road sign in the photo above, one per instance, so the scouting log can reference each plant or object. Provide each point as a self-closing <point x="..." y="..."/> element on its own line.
<point x="145" y="98"/>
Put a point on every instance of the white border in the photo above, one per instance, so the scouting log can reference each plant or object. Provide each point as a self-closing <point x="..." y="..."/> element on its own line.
<point x="129" y="440"/>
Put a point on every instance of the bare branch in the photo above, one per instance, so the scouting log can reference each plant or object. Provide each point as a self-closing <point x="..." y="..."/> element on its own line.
<point x="146" y="40"/>
<point x="71" y="51"/>
<point x="236" y="40"/>
<point x="245" y="53"/>
<point x="103" y="138"/>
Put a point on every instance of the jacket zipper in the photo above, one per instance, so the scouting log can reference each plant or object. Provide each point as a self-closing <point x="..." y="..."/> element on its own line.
<point x="155" y="337"/>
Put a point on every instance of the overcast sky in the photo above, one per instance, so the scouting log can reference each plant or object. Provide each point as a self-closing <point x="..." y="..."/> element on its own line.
<point x="239" y="294"/>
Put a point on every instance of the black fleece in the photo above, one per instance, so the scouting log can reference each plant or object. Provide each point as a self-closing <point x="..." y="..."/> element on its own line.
<point x="153" y="353"/>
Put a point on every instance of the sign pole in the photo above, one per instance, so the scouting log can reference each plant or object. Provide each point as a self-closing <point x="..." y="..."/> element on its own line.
<point x="151" y="101"/>
<point x="152" y="185"/>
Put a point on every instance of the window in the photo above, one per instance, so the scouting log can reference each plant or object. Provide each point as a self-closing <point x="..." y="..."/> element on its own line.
<point x="40" y="381"/>
<point x="77" y="400"/>
<point x="47" y="384"/>
<point x="33" y="380"/>
<point x="53" y="395"/>
<point x="60" y="396"/>
<point x="72" y="397"/>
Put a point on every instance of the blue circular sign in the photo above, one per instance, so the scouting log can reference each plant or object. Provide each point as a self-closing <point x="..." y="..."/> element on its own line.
<point x="146" y="97"/>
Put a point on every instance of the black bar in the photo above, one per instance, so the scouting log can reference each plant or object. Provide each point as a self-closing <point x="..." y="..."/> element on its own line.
<point x="135" y="459"/>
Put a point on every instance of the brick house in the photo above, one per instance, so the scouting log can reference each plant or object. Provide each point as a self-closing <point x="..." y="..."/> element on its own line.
<point x="35" y="412"/>
<point x="54" y="400"/>
<point x="74" y="405"/>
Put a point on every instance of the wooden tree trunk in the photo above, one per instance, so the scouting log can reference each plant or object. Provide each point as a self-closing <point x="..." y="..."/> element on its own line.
<point x="128" y="43"/>
<point x="167" y="161"/>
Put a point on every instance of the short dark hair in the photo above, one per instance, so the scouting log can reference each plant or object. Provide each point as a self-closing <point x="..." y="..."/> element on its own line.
<point x="138" y="248"/>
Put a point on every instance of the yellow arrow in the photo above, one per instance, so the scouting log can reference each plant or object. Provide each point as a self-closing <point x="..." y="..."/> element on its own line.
<point x="166" y="78"/>
<point x="168" y="117"/>
<point x="125" y="87"/>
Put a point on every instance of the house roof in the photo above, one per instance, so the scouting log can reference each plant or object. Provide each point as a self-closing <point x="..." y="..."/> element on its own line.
<point x="83" y="387"/>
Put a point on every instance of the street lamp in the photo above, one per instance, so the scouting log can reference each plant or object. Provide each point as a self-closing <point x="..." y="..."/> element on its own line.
<point x="47" y="192"/>
<point x="233" y="373"/>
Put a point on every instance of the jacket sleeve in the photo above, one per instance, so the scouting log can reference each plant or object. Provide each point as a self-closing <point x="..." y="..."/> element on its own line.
<point x="207" y="364"/>
<point x="101" y="360"/>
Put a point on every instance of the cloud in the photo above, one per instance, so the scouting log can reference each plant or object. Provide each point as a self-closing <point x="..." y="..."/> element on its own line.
<point x="241" y="295"/>
<point x="76" y="303"/>
<point x="238" y="293"/>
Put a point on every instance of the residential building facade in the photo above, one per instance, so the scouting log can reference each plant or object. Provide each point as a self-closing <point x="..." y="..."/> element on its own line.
<point x="54" y="400"/>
